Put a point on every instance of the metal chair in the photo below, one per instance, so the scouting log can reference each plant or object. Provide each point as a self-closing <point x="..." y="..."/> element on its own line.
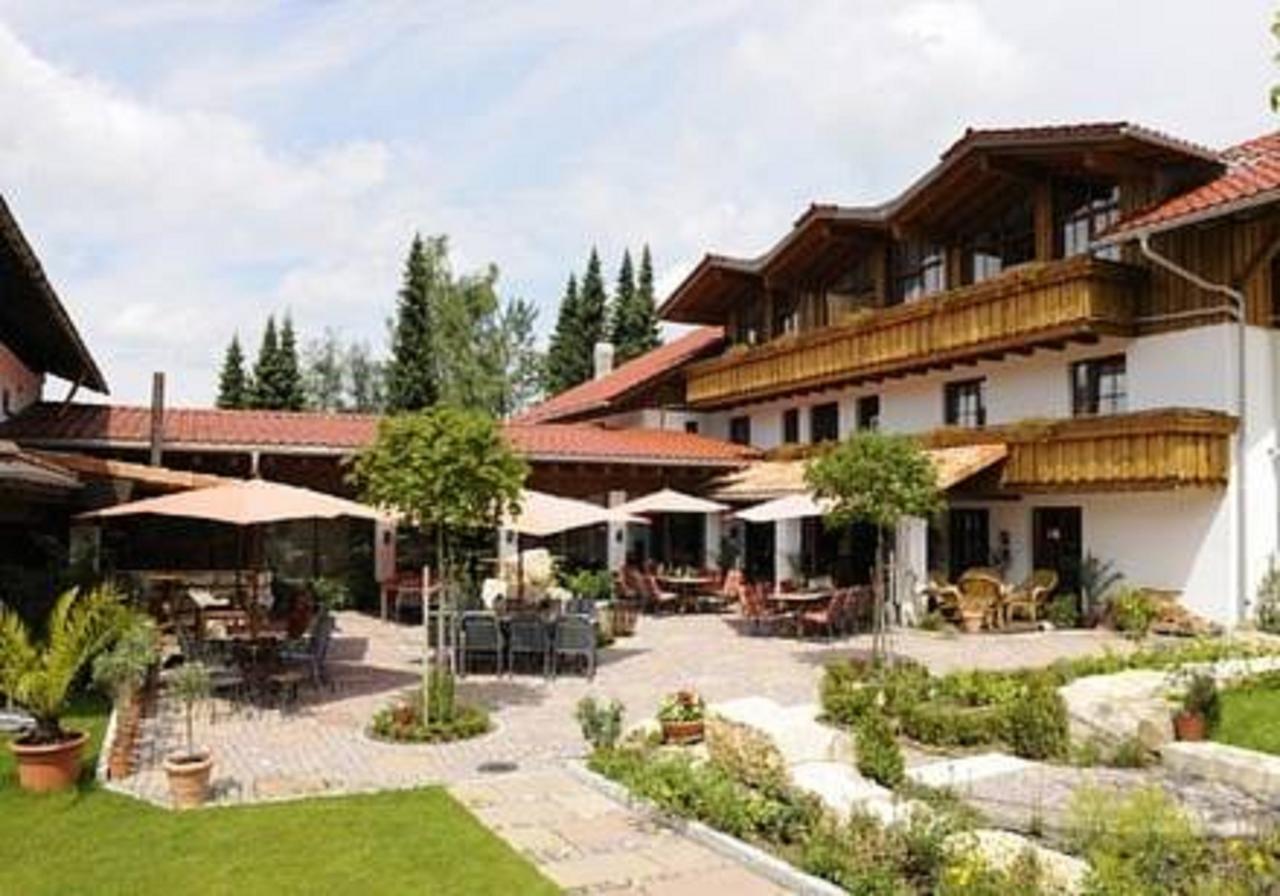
<point x="575" y="637"/>
<point x="481" y="634"/>
<point x="313" y="652"/>
<point x="529" y="636"/>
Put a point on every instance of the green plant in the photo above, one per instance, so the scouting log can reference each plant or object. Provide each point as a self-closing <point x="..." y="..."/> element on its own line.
<point x="1142" y="844"/>
<point x="601" y="723"/>
<point x="121" y="670"/>
<point x="943" y="723"/>
<point x="1268" y="601"/>
<point x="38" y="672"/>
<point x="933" y="621"/>
<point x="441" y="700"/>
<point x="1064" y="611"/>
<point x="879" y="757"/>
<point x="747" y="754"/>
<point x="191" y="685"/>
<point x="1097" y="578"/>
<point x="1132" y="611"/>
<point x="1037" y="726"/>
<point x="728" y="553"/>
<point x="330" y="593"/>
<point x="682" y="706"/>
<point x="1201" y="697"/>
<point x="591" y="584"/>
<point x="406" y="720"/>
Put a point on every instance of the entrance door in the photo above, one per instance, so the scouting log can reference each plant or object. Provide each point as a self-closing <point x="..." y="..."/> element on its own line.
<point x="1058" y="543"/>
<point x="969" y="539"/>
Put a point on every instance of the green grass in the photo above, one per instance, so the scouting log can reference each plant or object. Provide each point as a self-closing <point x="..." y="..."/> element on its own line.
<point x="94" y="841"/>
<point x="1251" y="719"/>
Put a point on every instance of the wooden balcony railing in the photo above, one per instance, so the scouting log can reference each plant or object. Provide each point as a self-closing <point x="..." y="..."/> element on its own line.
<point x="1033" y="305"/>
<point x="1146" y="450"/>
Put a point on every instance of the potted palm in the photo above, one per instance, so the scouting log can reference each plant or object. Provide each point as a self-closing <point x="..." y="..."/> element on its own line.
<point x="1199" y="710"/>
<point x="189" y="770"/>
<point x="38" y="672"/>
<point x="120" y="672"/>
<point x="682" y="716"/>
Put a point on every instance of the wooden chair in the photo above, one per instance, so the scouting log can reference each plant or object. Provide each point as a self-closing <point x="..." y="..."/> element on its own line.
<point x="1031" y="595"/>
<point x="980" y="591"/>
<point x="757" y="611"/>
<point x="656" y="600"/>
<point x="830" y="616"/>
<point x="946" y="596"/>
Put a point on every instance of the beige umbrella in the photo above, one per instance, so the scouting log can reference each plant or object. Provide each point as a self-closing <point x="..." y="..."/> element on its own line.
<point x="788" y="507"/>
<point x="247" y="502"/>
<point x="671" y="501"/>
<point x="542" y="514"/>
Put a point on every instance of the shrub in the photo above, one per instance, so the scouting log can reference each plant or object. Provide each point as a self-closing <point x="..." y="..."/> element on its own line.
<point x="1268" y="612"/>
<point x="861" y="856"/>
<point x="1037" y="721"/>
<point x="406" y="722"/>
<point x="969" y="874"/>
<point x="682" y="706"/>
<point x="1064" y="611"/>
<point x="944" y="723"/>
<point x="846" y="693"/>
<point x="904" y="684"/>
<point x="879" y="757"/>
<point x="747" y="754"/>
<point x="1201" y="697"/>
<point x="1132" y="611"/>
<point x="978" y="687"/>
<point x="601" y="723"/>
<point x="933" y="621"/>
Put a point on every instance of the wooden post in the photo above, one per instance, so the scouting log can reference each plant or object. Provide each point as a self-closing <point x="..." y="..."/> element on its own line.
<point x="157" y="418"/>
<point x="426" y="643"/>
<point x="1042" y="213"/>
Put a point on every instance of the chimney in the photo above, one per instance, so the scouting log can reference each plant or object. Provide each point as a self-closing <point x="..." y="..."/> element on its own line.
<point x="157" y="418"/>
<point x="603" y="359"/>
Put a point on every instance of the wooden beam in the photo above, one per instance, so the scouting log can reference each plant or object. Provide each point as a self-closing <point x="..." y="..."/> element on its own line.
<point x="1114" y="165"/>
<point x="1042" y="216"/>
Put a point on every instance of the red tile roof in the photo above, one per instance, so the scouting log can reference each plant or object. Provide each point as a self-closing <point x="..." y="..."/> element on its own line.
<point x="601" y="395"/>
<point x="1252" y="176"/>
<point x="87" y="425"/>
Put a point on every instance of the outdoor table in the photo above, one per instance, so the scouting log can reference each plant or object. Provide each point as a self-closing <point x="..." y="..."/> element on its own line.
<point x="686" y="587"/>
<point x="797" y="602"/>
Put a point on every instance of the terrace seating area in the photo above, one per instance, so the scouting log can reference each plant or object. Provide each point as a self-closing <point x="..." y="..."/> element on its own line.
<point x="981" y="599"/>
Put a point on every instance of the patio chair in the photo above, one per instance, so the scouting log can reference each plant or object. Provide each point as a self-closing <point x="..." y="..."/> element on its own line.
<point x="575" y="637"/>
<point x="1031" y="595"/>
<point x="529" y="636"/>
<point x="314" y="650"/>
<point x="656" y="600"/>
<point x="982" y="592"/>
<point x="481" y="634"/>
<point x="758" y="612"/>
<point x="945" y="596"/>
<point x="725" y="596"/>
<point x="859" y="608"/>
<point x="829" y="617"/>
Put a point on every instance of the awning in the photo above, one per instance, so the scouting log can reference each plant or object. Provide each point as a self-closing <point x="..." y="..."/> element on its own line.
<point x="542" y="514"/>
<point x="244" y="503"/>
<point x="671" y="501"/>
<point x="769" y="479"/>
<point x="24" y="469"/>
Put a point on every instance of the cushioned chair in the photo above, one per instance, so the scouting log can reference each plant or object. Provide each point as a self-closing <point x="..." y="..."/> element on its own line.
<point x="828" y="617"/>
<point x="575" y="638"/>
<point x="980" y="591"/>
<point x="1031" y="595"/>
<point x="757" y="611"/>
<point x="481" y="636"/>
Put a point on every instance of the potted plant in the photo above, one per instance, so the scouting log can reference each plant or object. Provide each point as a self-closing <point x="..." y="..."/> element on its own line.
<point x="38" y="674"/>
<point x="120" y="672"/>
<point x="1199" y="710"/>
<point x="189" y="771"/>
<point x="682" y="716"/>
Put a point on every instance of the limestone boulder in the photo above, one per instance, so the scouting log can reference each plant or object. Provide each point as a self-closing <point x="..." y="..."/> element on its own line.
<point x="1114" y="708"/>
<point x="1062" y="874"/>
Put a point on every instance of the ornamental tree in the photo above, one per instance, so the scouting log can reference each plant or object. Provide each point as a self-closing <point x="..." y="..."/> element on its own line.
<point x="877" y="479"/>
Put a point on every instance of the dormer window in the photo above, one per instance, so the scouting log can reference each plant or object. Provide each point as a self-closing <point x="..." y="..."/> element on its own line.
<point x="1008" y="240"/>
<point x="919" y="269"/>
<point x="1082" y="211"/>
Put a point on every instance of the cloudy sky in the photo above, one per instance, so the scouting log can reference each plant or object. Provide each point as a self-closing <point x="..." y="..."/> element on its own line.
<point x="184" y="167"/>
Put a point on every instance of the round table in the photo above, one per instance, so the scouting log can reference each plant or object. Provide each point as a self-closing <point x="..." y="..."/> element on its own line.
<point x="686" y="587"/>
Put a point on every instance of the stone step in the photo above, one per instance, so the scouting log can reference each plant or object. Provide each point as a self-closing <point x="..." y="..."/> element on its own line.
<point x="1257" y="774"/>
<point x="799" y="736"/>
<point x="960" y="774"/>
<point x="844" y="791"/>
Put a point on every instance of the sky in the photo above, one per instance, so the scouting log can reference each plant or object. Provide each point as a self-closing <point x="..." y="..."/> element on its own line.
<point x="186" y="167"/>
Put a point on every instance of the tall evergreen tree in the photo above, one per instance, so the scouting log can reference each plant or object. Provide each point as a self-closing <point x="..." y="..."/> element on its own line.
<point x="412" y="375"/>
<point x="558" y="369"/>
<point x="643" y="335"/>
<point x="233" y="384"/>
<point x="366" y="380"/>
<point x="266" y="370"/>
<point x="620" y="309"/>
<point x="592" y="314"/>
<point x="292" y="397"/>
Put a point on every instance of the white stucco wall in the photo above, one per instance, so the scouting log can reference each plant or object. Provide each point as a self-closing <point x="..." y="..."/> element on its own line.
<point x="22" y="385"/>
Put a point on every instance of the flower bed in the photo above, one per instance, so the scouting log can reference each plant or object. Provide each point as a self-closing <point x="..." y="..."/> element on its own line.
<point x="408" y="721"/>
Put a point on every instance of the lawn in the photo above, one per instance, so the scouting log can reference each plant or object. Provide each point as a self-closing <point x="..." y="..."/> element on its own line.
<point x="94" y="841"/>
<point x="1250" y="718"/>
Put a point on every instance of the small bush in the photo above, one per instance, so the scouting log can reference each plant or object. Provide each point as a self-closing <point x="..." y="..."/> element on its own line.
<point x="601" y="723"/>
<point x="1037" y="721"/>
<point x="1064" y="611"/>
<point x="1268" y="603"/>
<point x="944" y="723"/>
<point x="879" y="757"/>
<point x="747" y="754"/>
<point x="1142" y="844"/>
<point x="405" y="721"/>
<point x="979" y="687"/>
<point x="861" y="856"/>
<point x="933" y="621"/>
<point x="846" y="692"/>
<point x="1133" y="611"/>
<point x="1202" y="697"/>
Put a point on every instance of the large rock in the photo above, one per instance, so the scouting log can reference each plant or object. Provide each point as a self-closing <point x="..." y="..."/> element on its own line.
<point x="1114" y="708"/>
<point x="799" y="736"/>
<point x="1060" y="872"/>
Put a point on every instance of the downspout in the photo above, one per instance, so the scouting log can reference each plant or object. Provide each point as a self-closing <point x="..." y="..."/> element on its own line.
<point x="1236" y="298"/>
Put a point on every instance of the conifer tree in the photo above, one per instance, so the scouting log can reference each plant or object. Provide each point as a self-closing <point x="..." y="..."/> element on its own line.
<point x="412" y="375"/>
<point x="291" y="397"/>
<point x="592" y="313"/>
<point x="266" y="370"/>
<point x="558" y="369"/>
<point x="644" y="333"/>
<point x="621" y="308"/>
<point x="233" y="384"/>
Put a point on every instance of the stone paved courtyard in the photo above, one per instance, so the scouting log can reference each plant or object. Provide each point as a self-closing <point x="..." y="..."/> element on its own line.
<point x="320" y="747"/>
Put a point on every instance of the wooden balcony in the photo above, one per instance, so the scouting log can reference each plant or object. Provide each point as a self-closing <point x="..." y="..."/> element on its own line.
<point x="1141" y="451"/>
<point x="1034" y="305"/>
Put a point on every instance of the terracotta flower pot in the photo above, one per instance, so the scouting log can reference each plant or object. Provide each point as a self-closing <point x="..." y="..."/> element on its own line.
<point x="1189" y="726"/>
<point x="682" y="732"/>
<point x="189" y="779"/>
<point x="971" y="622"/>
<point x="624" y="618"/>
<point x="46" y="767"/>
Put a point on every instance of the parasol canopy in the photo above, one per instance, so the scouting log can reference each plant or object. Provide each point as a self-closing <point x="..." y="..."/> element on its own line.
<point x="788" y="507"/>
<point x="671" y="501"/>
<point x="542" y="514"/>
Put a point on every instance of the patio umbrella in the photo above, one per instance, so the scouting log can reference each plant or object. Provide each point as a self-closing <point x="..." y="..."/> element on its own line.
<point x="788" y="507"/>
<point x="542" y="514"/>
<point x="245" y="502"/>
<point x="671" y="501"/>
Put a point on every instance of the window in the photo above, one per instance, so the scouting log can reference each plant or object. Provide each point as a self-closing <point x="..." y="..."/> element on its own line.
<point x="691" y="427"/>
<point x="1010" y="239"/>
<point x="852" y="289"/>
<point x="1082" y="211"/>
<point x="1098" y="386"/>
<point x="824" y="423"/>
<point x="786" y="315"/>
<point x="869" y="412"/>
<point x="964" y="404"/>
<point x="919" y="268"/>
<point x="745" y="329"/>
<point x="740" y="430"/>
<point x="791" y="426"/>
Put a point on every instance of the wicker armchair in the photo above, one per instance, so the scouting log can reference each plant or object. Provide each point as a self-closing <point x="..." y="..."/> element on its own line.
<point x="1031" y="595"/>
<point x="982" y="593"/>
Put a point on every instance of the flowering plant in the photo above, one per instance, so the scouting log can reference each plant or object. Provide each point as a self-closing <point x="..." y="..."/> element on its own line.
<point x="682" y="706"/>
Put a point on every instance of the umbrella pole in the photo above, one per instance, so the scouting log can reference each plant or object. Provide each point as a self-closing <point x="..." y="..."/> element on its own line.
<point x="315" y="547"/>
